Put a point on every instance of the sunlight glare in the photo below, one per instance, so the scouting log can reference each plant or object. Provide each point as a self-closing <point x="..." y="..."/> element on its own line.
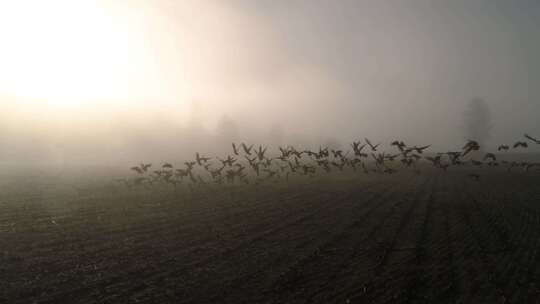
<point x="65" y="53"/>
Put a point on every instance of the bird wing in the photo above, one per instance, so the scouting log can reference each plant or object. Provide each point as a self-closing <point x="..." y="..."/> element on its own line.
<point x="532" y="138"/>
<point x="368" y="142"/>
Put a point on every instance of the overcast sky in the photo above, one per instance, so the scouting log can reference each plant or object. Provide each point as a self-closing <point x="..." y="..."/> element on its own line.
<point x="87" y="81"/>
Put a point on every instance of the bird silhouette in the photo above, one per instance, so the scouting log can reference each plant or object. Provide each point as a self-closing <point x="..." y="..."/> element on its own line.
<point x="391" y="157"/>
<point x="190" y="165"/>
<point x="201" y="159"/>
<point x="297" y="153"/>
<point x="471" y="145"/>
<point x="362" y="155"/>
<point x="399" y="144"/>
<point x="145" y="167"/>
<point x="284" y="152"/>
<point x="420" y="150"/>
<point x="137" y="169"/>
<point x="217" y="172"/>
<point x="536" y="141"/>
<point x="250" y="160"/>
<point x="228" y="161"/>
<point x="247" y="149"/>
<point x="357" y="149"/>
<point x="520" y="144"/>
<point x="323" y="153"/>
<point x="235" y="149"/>
<point x="379" y="159"/>
<point x="454" y="157"/>
<point x="267" y="162"/>
<point x="490" y="156"/>
<point x="306" y="162"/>
<point x="261" y="152"/>
<point x="337" y="153"/>
<point x="373" y="147"/>
<point x="311" y="154"/>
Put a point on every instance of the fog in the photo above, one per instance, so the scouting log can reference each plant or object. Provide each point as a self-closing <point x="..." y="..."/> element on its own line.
<point x="194" y="75"/>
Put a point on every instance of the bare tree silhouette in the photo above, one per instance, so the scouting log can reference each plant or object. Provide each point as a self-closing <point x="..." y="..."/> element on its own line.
<point x="227" y="131"/>
<point x="477" y="121"/>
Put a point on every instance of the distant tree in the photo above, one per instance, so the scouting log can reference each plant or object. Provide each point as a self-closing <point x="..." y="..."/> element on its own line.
<point x="478" y="121"/>
<point x="226" y="131"/>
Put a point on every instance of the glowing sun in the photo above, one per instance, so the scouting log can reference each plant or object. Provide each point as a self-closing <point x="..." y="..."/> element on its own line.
<point x="69" y="52"/>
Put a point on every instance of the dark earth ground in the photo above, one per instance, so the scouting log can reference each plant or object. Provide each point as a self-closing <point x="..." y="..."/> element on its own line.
<point x="430" y="238"/>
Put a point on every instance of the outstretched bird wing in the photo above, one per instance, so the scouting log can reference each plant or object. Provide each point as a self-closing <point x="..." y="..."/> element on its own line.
<point x="368" y="142"/>
<point x="532" y="138"/>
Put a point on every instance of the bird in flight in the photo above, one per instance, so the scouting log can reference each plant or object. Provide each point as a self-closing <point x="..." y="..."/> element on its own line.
<point x="391" y="157"/>
<point x="235" y="149"/>
<point x="228" y="161"/>
<point x="399" y="144"/>
<point x="201" y="159"/>
<point x="189" y="165"/>
<point x="337" y="153"/>
<point x="536" y="141"/>
<point x="520" y="144"/>
<point x="260" y="153"/>
<point x="145" y="167"/>
<point x="247" y="149"/>
<point x="471" y="145"/>
<point x="137" y="169"/>
<point x="420" y="150"/>
<point x="357" y="148"/>
<point x="373" y="147"/>
<point x="490" y="156"/>
<point x="293" y="161"/>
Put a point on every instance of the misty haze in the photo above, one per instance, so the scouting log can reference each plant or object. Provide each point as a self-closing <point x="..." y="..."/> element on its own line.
<point x="305" y="151"/>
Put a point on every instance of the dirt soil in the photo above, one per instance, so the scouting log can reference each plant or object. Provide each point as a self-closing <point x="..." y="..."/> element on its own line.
<point x="403" y="238"/>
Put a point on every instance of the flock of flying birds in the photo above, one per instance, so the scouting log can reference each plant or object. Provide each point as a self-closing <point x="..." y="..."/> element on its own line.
<point x="248" y="164"/>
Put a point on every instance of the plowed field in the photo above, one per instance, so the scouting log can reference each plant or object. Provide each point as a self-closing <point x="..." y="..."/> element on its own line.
<point x="431" y="238"/>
